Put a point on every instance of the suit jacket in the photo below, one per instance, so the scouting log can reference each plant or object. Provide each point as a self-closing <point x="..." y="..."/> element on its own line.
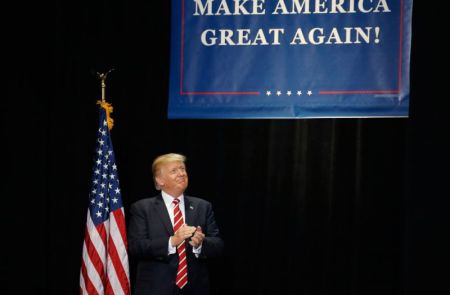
<point x="148" y="236"/>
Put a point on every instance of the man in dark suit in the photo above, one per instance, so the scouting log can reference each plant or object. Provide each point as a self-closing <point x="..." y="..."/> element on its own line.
<point x="172" y="235"/>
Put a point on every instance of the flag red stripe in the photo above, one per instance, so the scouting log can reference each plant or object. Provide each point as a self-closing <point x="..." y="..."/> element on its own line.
<point x="87" y="281"/>
<point x="120" y="272"/>
<point x="109" y="290"/>
<point x="96" y="260"/>
<point x="102" y="232"/>
<point x="120" y="221"/>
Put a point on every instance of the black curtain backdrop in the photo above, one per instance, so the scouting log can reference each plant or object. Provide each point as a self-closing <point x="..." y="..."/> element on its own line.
<point x="330" y="206"/>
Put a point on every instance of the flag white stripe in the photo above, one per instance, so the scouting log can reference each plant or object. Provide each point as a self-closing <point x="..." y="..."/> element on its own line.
<point x="106" y="225"/>
<point x="82" y="284"/>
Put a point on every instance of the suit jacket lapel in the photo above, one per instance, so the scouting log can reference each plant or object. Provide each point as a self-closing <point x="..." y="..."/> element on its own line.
<point x="189" y="210"/>
<point x="163" y="214"/>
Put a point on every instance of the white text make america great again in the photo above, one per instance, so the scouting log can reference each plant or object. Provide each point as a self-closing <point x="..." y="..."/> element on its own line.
<point x="258" y="7"/>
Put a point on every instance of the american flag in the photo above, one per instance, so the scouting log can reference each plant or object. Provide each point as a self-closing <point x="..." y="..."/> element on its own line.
<point x="104" y="265"/>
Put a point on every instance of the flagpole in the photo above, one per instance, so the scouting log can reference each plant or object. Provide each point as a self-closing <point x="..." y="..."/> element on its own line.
<point x="102" y="77"/>
<point x="108" y="108"/>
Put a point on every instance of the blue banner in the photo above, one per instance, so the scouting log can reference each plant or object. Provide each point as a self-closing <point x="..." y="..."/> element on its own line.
<point x="290" y="58"/>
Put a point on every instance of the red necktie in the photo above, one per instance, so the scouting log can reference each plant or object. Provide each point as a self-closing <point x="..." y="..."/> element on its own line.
<point x="178" y="221"/>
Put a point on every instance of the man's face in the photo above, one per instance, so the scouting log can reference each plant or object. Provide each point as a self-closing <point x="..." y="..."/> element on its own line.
<point x="173" y="178"/>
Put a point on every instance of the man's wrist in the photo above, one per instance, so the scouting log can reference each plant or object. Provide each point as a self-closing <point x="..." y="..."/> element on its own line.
<point x="197" y="250"/>
<point x="170" y="248"/>
<point x="174" y="241"/>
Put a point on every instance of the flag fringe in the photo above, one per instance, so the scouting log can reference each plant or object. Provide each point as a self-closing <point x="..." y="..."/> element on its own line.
<point x="109" y="109"/>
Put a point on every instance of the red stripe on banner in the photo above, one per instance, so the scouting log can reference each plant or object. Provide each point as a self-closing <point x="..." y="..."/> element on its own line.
<point x="220" y="93"/>
<point x="120" y="221"/>
<point x="400" y="50"/>
<point x="357" y="91"/>
<point x="182" y="48"/>
<point x="87" y="281"/>
<point x="96" y="260"/>
<point x="118" y="266"/>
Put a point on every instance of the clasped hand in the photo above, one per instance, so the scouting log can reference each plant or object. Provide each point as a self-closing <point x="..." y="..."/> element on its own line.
<point x="185" y="232"/>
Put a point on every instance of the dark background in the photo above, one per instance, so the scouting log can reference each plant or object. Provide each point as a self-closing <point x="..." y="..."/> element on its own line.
<point x="330" y="206"/>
